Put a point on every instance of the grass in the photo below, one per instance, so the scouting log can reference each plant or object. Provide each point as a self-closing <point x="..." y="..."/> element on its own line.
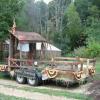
<point x="6" y="97"/>
<point x="97" y="77"/>
<point x="4" y="75"/>
<point x="51" y="92"/>
<point x="78" y="96"/>
<point x="98" y="67"/>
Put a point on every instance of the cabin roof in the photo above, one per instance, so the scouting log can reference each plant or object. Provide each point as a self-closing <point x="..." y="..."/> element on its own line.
<point x="28" y="36"/>
<point x="48" y="46"/>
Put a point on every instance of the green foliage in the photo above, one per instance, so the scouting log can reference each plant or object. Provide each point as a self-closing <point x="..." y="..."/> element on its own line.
<point x="3" y="30"/>
<point x="94" y="11"/>
<point x="82" y="8"/>
<point x="92" y="50"/>
<point x="8" y="10"/>
<point x="81" y="52"/>
<point x="62" y="42"/>
<point x="6" y="97"/>
<point x="73" y="21"/>
<point x="66" y="24"/>
<point x="33" y="16"/>
<point x="93" y="24"/>
<point x="98" y="66"/>
<point x="72" y="27"/>
<point x="93" y="31"/>
<point x="90" y="12"/>
<point x="97" y="3"/>
<point x="71" y="54"/>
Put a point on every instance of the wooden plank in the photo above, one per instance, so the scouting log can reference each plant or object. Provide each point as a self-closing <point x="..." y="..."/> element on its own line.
<point x="9" y="51"/>
<point x="75" y="59"/>
<point x="64" y="58"/>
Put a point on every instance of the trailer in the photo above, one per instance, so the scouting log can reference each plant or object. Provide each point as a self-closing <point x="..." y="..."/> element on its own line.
<point x="26" y="67"/>
<point x="63" y="69"/>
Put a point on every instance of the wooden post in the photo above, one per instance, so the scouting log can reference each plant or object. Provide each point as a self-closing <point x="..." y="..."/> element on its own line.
<point x="81" y="66"/>
<point x="15" y="45"/>
<point x="10" y="50"/>
<point x="88" y="61"/>
<point x="20" y="53"/>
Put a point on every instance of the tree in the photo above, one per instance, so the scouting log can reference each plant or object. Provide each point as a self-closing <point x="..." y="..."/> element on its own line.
<point x="33" y="17"/>
<point x="93" y="24"/>
<point x="72" y="27"/>
<point x="82" y="8"/>
<point x="8" y="10"/>
<point x="97" y="3"/>
<point x="55" y="20"/>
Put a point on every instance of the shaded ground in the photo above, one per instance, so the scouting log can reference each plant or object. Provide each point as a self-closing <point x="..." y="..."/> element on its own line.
<point x="94" y="89"/>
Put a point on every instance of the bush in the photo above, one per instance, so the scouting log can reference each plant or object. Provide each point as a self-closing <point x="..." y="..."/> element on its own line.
<point x="71" y="54"/>
<point x="81" y="52"/>
<point x="92" y="50"/>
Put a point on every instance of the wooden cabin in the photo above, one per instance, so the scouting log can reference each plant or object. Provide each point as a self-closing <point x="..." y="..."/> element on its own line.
<point x="17" y="41"/>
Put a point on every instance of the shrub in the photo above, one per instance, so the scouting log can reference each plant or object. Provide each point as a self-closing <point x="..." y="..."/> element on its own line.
<point x="93" y="49"/>
<point x="81" y="52"/>
<point x="71" y="54"/>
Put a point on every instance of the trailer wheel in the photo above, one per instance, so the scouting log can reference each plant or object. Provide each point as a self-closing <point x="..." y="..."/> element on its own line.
<point x="33" y="81"/>
<point x="20" y="79"/>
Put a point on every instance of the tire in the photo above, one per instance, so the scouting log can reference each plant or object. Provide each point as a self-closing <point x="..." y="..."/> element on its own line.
<point x="20" y="79"/>
<point x="33" y="82"/>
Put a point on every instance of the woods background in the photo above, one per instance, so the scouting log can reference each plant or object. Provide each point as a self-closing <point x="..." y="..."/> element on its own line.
<point x="72" y="25"/>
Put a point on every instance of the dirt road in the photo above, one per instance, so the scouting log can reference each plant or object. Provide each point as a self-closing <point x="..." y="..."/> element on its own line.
<point x="35" y="95"/>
